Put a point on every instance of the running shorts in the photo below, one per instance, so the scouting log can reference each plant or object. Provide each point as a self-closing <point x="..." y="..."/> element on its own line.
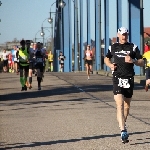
<point x="39" y="66"/>
<point x="26" y="68"/>
<point x="118" y="87"/>
<point x="5" y="63"/>
<point x="31" y="65"/>
<point x="89" y="62"/>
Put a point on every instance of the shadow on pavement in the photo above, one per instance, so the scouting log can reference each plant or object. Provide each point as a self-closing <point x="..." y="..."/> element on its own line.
<point x="35" y="144"/>
<point x="58" y="91"/>
<point x="54" y="91"/>
<point x="54" y="102"/>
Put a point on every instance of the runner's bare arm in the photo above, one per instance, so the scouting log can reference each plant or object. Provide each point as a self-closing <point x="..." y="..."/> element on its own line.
<point x="107" y="60"/>
<point x="139" y="61"/>
<point x="84" y="55"/>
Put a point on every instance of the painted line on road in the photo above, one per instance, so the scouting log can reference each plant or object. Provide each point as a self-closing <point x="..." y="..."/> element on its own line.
<point x="101" y="99"/>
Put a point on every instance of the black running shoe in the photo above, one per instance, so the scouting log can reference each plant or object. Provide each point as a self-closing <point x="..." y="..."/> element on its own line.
<point x="22" y="89"/>
<point x="25" y="87"/>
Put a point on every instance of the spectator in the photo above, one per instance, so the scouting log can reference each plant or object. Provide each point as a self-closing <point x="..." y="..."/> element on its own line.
<point x="5" y="61"/>
<point x="147" y="47"/>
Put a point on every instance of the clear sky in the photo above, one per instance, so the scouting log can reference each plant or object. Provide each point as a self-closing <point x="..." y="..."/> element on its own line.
<point x="23" y="18"/>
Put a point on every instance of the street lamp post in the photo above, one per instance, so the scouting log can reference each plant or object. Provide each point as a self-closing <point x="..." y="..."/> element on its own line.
<point x="42" y="30"/>
<point x="76" y="36"/>
<point x="142" y="71"/>
<point x="61" y="4"/>
<point x="50" y="20"/>
<point x="36" y="35"/>
<point x="42" y="34"/>
<point x="47" y="43"/>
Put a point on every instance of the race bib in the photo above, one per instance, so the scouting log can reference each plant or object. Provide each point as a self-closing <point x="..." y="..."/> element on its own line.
<point x="9" y="61"/>
<point x="39" y="60"/>
<point x="124" y="83"/>
<point x="15" y="59"/>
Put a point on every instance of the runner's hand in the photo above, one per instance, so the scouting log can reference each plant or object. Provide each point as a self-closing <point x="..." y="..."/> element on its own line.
<point x="113" y="66"/>
<point x="128" y="59"/>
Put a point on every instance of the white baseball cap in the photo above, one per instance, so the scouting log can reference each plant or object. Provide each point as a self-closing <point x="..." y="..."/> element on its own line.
<point x="123" y="30"/>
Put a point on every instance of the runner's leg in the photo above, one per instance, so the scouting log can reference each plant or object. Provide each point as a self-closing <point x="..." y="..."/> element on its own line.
<point x="120" y="110"/>
<point x="26" y="71"/>
<point x="21" y="78"/>
<point x="127" y="102"/>
<point x="39" y="77"/>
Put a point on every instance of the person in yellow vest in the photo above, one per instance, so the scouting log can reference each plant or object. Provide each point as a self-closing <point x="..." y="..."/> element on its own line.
<point x="146" y="57"/>
<point x="50" y="61"/>
<point x="23" y="64"/>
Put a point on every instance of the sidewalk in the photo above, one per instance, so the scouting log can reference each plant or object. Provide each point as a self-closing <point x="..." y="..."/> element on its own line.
<point x="69" y="113"/>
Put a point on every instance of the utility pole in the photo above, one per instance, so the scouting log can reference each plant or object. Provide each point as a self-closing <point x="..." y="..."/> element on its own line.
<point x="142" y="72"/>
<point x="52" y="40"/>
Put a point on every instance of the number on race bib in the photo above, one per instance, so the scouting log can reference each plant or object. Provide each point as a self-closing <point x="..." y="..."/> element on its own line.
<point x="124" y="83"/>
<point x="15" y="59"/>
<point x="39" y="60"/>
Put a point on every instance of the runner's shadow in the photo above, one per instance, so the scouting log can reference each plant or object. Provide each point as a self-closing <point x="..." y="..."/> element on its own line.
<point x="35" y="144"/>
<point x="51" y="91"/>
<point x="46" y="103"/>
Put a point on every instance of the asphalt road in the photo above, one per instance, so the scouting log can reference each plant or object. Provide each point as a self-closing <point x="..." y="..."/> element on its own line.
<point x="69" y="113"/>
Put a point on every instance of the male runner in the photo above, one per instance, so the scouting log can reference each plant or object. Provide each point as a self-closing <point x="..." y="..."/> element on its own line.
<point x="31" y="62"/>
<point x="23" y="64"/>
<point x="39" y="58"/>
<point x="125" y="55"/>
